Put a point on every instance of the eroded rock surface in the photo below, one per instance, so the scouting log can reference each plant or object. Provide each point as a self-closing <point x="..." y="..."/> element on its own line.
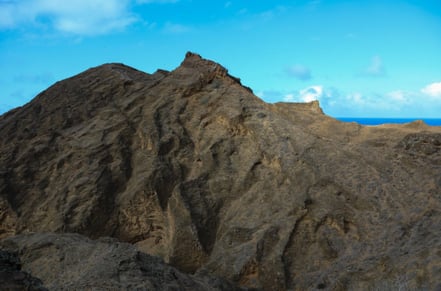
<point x="74" y="262"/>
<point x="190" y="166"/>
<point x="12" y="277"/>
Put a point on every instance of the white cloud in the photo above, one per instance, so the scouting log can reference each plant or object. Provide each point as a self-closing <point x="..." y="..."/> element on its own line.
<point x="357" y="98"/>
<point x="338" y="102"/>
<point x="331" y="97"/>
<point x="376" y="103"/>
<point x="308" y="94"/>
<point x="79" y="17"/>
<point x="399" y="96"/>
<point x="376" y="68"/>
<point x="299" y="72"/>
<point x="433" y="90"/>
<point x="311" y="93"/>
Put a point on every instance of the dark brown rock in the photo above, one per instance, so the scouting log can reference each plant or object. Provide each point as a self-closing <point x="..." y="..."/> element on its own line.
<point x="13" y="278"/>
<point x="190" y="166"/>
<point x="74" y="262"/>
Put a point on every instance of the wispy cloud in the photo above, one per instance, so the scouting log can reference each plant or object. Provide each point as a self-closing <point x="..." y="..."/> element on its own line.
<point x="311" y="93"/>
<point x="433" y="90"/>
<point x="375" y="68"/>
<point x="356" y="98"/>
<point x="80" y="17"/>
<point x="176" y="28"/>
<point x="299" y="72"/>
<point x="400" y="96"/>
<point x="340" y="102"/>
<point x="395" y="103"/>
<point x="257" y="17"/>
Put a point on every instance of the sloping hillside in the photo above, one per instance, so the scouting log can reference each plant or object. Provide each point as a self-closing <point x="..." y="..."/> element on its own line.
<point x="192" y="167"/>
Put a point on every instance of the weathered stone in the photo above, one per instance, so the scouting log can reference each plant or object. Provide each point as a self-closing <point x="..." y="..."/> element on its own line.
<point x="13" y="278"/>
<point x="74" y="262"/>
<point x="190" y="166"/>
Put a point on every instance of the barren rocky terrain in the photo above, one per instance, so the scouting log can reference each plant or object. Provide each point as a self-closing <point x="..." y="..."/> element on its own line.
<point x="186" y="180"/>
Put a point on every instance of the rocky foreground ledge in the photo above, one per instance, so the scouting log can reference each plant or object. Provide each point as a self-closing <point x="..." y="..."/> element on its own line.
<point x="199" y="184"/>
<point x="74" y="262"/>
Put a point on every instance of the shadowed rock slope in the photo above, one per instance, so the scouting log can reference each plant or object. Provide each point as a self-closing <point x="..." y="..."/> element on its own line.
<point x="190" y="166"/>
<point x="74" y="262"/>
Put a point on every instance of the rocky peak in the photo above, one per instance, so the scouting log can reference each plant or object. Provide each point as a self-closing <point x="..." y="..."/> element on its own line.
<point x="190" y="166"/>
<point x="203" y="71"/>
<point x="193" y="60"/>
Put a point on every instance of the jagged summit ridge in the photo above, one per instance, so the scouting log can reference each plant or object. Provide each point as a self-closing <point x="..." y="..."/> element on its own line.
<point x="193" y="66"/>
<point x="190" y="166"/>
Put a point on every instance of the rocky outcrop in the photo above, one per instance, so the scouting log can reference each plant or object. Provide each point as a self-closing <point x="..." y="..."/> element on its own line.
<point x="12" y="277"/>
<point x="74" y="262"/>
<point x="190" y="166"/>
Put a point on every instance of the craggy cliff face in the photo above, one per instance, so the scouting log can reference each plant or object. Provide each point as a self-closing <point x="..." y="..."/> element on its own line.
<point x="190" y="166"/>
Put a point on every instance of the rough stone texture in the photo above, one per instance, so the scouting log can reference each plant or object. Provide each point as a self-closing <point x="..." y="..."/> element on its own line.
<point x="74" y="262"/>
<point x="13" y="278"/>
<point x="190" y="166"/>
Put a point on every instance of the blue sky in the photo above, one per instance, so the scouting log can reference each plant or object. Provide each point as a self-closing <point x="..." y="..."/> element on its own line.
<point x="367" y="58"/>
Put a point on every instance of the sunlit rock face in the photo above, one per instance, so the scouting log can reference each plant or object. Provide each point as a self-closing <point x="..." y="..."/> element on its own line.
<point x="190" y="166"/>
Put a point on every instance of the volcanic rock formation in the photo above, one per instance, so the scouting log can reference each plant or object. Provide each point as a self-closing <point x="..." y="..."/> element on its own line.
<point x="192" y="167"/>
<point x="74" y="262"/>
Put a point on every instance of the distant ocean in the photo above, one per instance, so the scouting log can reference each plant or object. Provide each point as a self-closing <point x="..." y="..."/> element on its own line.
<point x="378" y="121"/>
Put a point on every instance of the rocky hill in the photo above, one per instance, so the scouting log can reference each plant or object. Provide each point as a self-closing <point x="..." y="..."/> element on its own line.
<point x="191" y="167"/>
